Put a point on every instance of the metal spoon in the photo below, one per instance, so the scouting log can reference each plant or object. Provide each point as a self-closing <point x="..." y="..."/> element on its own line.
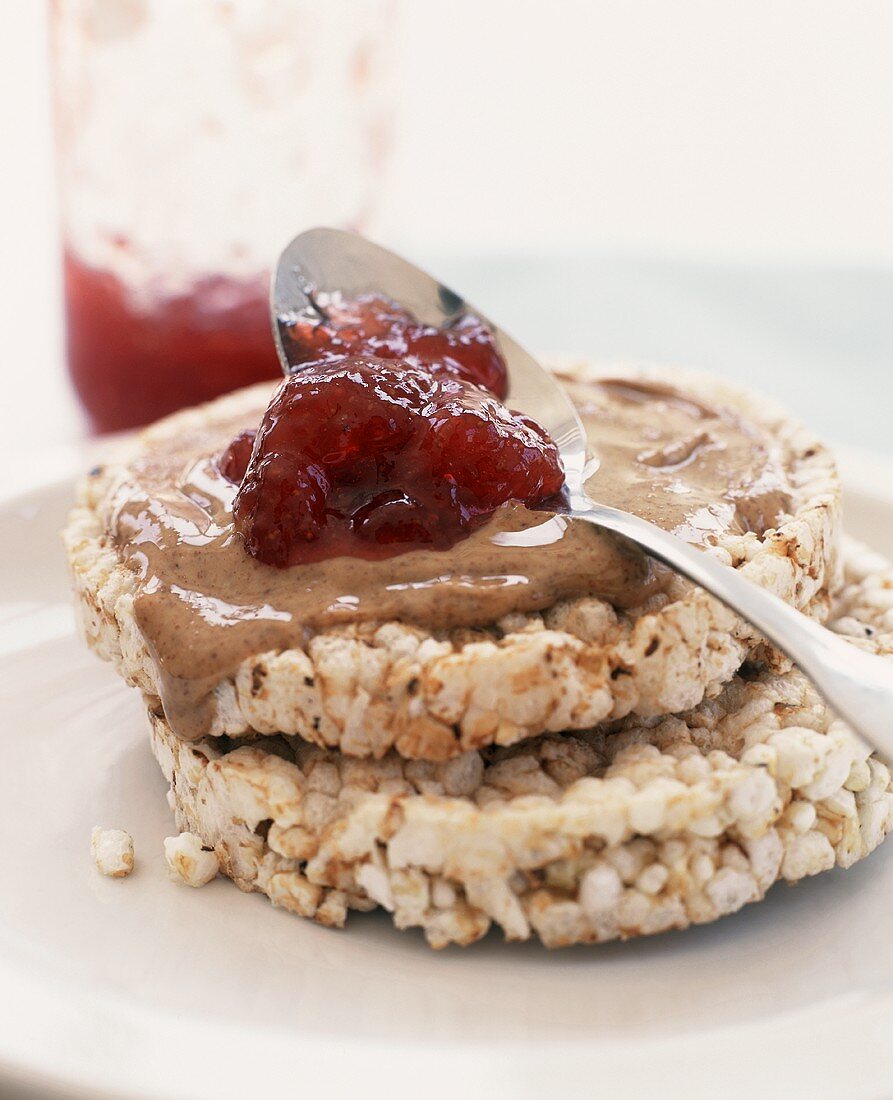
<point x="858" y="685"/>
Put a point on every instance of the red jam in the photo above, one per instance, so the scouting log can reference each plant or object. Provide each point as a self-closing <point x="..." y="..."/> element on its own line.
<point x="371" y="458"/>
<point x="132" y="363"/>
<point x="234" y="460"/>
<point x="372" y="324"/>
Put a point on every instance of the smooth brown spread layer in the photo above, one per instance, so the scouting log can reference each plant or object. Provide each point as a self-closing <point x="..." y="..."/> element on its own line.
<point x="693" y="468"/>
<point x="204" y="605"/>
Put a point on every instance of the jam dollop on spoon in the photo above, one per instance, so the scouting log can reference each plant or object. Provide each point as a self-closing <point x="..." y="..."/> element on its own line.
<point x="391" y="437"/>
<point x="371" y="457"/>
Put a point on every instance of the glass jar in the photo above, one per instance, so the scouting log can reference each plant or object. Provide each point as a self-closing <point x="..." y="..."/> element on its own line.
<point x="194" y="140"/>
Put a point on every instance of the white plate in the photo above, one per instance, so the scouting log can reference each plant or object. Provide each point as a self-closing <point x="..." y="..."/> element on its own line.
<point x="140" y="988"/>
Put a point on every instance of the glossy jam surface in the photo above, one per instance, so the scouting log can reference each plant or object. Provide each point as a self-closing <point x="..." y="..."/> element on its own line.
<point x="233" y="463"/>
<point x="369" y="458"/>
<point x="133" y="361"/>
<point x="372" y="324"/>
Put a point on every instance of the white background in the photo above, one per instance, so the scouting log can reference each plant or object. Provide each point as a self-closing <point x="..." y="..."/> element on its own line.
<point x="701" y="180"/>
<point x="718" y="128"/>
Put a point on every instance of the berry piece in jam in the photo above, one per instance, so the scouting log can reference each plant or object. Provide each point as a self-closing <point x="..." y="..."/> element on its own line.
<point x="233" y="463"/>
<point x="371" y="458"/>
<point x="374" y="325"/>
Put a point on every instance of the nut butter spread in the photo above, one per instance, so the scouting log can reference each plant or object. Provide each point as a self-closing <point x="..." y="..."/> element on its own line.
<point x="204" y="605"/>
<point x="689" y="467"/>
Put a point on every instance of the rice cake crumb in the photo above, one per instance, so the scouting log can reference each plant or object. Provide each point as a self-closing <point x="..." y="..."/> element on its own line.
<point x="112" y="851"/>
<point x="188" y="861"/>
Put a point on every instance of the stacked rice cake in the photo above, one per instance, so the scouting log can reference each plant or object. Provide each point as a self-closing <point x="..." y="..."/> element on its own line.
<point x="521" y="771"/>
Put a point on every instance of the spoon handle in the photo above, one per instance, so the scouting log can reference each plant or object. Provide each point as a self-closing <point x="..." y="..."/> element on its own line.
<point x="856" y="684"/>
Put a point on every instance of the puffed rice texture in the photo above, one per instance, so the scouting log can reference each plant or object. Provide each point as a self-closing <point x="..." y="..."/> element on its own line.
<point x="629" y="829"/>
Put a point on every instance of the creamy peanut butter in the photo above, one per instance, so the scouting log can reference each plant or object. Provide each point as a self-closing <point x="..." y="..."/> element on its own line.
<point x="204" y="605"/>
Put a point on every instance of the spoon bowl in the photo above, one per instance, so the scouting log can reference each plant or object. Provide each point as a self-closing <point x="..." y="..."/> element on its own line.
<point x="322" y="261"/>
